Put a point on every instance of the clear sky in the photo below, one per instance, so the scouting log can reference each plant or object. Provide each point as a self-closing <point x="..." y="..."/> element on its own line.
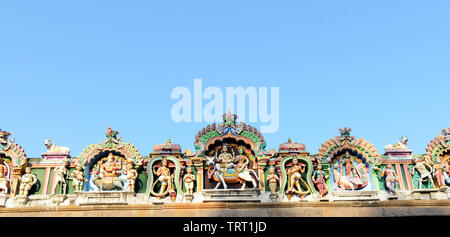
<point x="70" y="69"/>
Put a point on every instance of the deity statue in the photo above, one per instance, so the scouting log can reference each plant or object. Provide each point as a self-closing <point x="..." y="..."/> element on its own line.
<point x="354" y="177"/>
<point x="425" y="174"/>
<point x="390" y="178"/>
<point x="222" y="168"/>
<point x="27" y="181"/>
<point x="78" y="178"/>
<point x="4" y="181"/>
<point x="52" y="148"/>
<point x="61" y="173"/>
<point x="295" y="177"/>
<point x="131" y="175"/>
<point x="350" y="171"/>
<point x="226" y="159"/>
<point x="400" y="145"/>
<point x="439" y="171"/>
<point x="320" y="179"/>
<point x="165" y="178"/>
<point x="110" y="171"/>
<point x="189" y="180"/>
<point x="273" y="179"/>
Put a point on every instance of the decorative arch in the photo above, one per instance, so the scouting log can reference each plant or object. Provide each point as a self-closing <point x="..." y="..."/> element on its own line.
<point x="112" y="144"/>
<point x="438" y="147"/>
<point x="151" y="179"/>
<point x="335" y="146"/>
<point x="309" y="167"/>
<point x="229" y="129"/>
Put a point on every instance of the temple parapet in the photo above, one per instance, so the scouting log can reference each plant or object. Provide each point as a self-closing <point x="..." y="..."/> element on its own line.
<point x="229" y="163"/>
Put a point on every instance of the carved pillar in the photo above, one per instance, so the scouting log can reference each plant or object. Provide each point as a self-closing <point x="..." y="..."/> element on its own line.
<point x="54" y="159"/>
<point x="198" y="164"/>
<point x="262" y="163"/>
<point x="15" y="182"/>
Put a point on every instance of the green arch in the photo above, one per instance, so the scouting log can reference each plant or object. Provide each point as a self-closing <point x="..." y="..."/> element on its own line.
<point x="176" y="178"/>
<point x="309" y="166"/>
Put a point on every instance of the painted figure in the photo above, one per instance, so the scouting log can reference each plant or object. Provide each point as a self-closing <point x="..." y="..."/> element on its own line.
<point x="78" y="178"/>
<point x="400" y="145"/>
<point x="273" y="179"/>
<point x="424" y="170"/>
<point x="189" y="180"/>
<point x="110" y="171"/>
<point x="27" y="181"/>
<point x="439" y="174"/>
<point x="223" y="170"/>
<point x="390" y="178"/>
<point x="295" y="177"/>
<point x="320" y="179"/>
<point x="165" y="178"/>
<point x="4" y="181"/>
<point x="52" y="148"/>
<point x="131" y="175"/>
<point x="60" y="174"/>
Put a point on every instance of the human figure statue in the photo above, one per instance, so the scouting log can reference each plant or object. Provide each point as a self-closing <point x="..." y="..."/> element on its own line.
<point x="320" y="179"/>
<point x="165" y="178"/>
<point x="350" y="172"/>
<point x="226" y="159"/>
<point x="61" y="174"/>
<point x="4" y="181"/>
<point x="27" y="181"/>
<point x="273" y="179"/>
<point x="390" y="178"/>
<point x="295" y="177"/>
<point x="131" y="175"/>
<point x="189" y="180"/>
<point x="439" y="174"/>
<point x="424" y="170"/>
<point x="78" y="178"/>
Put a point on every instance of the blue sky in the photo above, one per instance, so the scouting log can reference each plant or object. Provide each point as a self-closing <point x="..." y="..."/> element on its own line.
<point x="68" y="70"/>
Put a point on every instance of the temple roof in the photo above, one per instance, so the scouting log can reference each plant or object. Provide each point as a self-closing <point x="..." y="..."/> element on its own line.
<point x="291" y="146"/>
<point x="168" y="146"/>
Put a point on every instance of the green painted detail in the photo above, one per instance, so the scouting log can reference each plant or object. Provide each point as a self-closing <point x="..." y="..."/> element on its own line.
<point x="416" y="180"/>
<point x="306" y="177"/>
<point x="205" y="138"/>
<point x="141" y="182"/>
<point x="176" y="178"/>
<point x="40" y="175"/>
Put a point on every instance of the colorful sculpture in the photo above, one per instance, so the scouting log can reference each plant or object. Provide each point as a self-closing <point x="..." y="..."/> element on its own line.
<point x="110" y="172"/>
<point x="78" y="178"/>
<point x="222" y="169"/>
<point x="400" y="145"/>
<point x="131" y="175"/>
<point x="295" y="178"/>
<point x="52" y="148"/>
<point x="60" y="174"/>
<point x="4" y="181"/>
<point x="272" y="179"/>
<point x="439" y="171"/>
<point x="425" y="171"/>
<point x="189" y="180"/>
<point x="27" y="182"/>
<point x="165" y="178"/>
<point x="354" y="177"/>
<point x="390" y="178"/>
<point x="320" y="179"/>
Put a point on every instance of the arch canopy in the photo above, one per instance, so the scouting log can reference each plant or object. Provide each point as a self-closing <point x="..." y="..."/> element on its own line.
<point x="340" y="144"/>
